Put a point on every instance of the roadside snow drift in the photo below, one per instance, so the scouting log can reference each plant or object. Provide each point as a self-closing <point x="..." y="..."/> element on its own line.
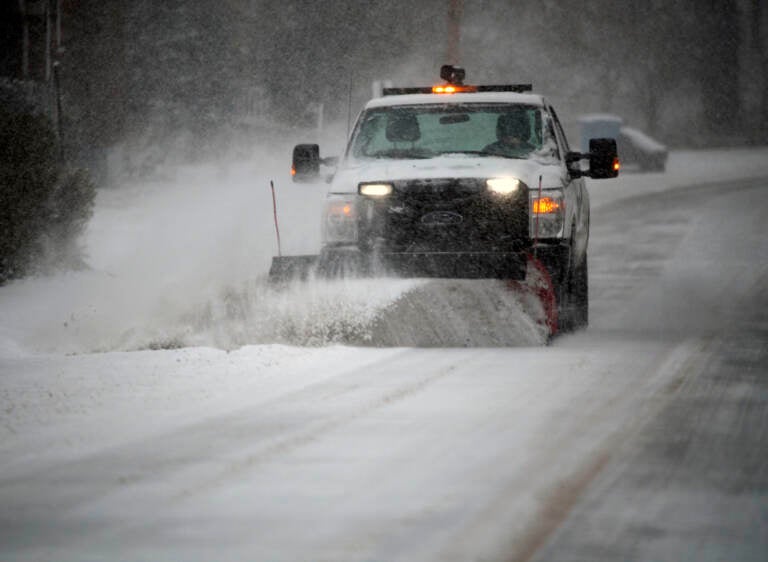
<point x="180" y="260"/>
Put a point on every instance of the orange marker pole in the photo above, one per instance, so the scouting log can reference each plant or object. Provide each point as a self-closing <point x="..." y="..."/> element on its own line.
<point x="274" y="212"/>
<point x="536" y="208"/>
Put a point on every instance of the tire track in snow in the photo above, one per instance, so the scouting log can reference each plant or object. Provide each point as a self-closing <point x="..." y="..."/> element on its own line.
<point x="180" y="468"/>
<point x="561" y="492"/>
<point x="304" y="437"/>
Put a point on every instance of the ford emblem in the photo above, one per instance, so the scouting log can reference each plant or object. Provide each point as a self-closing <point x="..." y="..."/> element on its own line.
<point x="442" y="218"/>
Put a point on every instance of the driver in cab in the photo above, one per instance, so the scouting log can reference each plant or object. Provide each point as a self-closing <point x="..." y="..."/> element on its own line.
<point x="513" y="131"/>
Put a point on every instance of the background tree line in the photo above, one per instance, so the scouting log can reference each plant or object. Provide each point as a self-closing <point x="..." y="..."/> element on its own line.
<point x="45" y="202"/>
<point x="689" y="72"/>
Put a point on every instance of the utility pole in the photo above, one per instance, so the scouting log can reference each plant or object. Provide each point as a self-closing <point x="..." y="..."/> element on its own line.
<point x="24" y="40"/>
<point x="58" y="51"/>
<point x="36" y="39"/>
<point x="759" y="48"/>
<point x="455" y="11"/>
<point x="58" y="26"/>
<point x="48" y="38"/>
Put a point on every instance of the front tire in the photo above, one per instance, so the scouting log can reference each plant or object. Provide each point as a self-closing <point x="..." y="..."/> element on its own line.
<point x="580" y="295"/>
<point x="571" y="286"/>
<point x="561" y="283"/>
<point x="566" y="317"/>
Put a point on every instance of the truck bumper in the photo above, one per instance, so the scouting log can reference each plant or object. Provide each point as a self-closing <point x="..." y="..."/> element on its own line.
<point x="457" y="265"/>
<point x="450" y="265"/>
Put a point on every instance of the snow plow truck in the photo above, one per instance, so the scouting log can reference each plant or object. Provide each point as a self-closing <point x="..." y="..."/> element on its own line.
<point x="457" y="181"/>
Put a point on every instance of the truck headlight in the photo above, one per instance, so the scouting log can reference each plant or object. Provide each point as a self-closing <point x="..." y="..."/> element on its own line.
<point x="375" y="189"/>
<point x="547" y="215"/>
<point x="503" y="186"/>
<point x="340" y="219"/>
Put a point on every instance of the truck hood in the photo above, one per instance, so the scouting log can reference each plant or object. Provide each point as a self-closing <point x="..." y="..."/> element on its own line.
<point x="349" y="175"/>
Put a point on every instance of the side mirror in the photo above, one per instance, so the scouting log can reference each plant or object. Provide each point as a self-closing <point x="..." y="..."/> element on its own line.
<point x="603" y="159"/>
<point x="573" y="162"/>
<point x="305" y="166"/>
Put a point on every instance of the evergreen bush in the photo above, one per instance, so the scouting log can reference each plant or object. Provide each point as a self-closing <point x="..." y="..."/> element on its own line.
<point x="44" y="206"/>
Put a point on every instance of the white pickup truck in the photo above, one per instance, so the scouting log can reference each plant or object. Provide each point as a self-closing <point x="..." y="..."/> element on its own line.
<point x="459" y="181"/>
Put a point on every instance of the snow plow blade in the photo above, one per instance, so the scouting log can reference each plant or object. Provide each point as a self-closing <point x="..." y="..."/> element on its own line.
<point x="288" y="268"/>
<point x="447" y="265"/>
<point x="457" y="265"/>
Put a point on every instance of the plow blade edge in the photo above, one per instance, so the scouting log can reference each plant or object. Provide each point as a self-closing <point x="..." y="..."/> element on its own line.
<point x="287" y="268"/>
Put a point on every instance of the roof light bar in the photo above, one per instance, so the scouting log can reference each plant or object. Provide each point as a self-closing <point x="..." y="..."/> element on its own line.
<point x="518" y="88"/>
<point x="406" y="91"/>
<point x="454" y="78"/>
<point x="446" y="89"/>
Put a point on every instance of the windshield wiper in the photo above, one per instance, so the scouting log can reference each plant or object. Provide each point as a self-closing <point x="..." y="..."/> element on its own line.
<point x="481" y="153"/>
<point x="401" y="154"/>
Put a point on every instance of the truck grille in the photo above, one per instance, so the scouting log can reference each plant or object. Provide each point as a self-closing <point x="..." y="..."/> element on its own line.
<point x="453" y="215"/>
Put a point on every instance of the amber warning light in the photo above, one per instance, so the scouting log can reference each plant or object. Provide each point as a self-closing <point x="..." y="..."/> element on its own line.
<point x="339" y="208"/>
<point x="616" y="164"/>
<point x="452" y="89"/>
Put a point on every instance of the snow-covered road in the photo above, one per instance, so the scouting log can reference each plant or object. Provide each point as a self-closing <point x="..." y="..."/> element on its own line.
<point x="281" y="452"/>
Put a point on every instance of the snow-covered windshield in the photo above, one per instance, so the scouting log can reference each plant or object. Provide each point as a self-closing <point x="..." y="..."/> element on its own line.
<point x="425" y="131"/>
